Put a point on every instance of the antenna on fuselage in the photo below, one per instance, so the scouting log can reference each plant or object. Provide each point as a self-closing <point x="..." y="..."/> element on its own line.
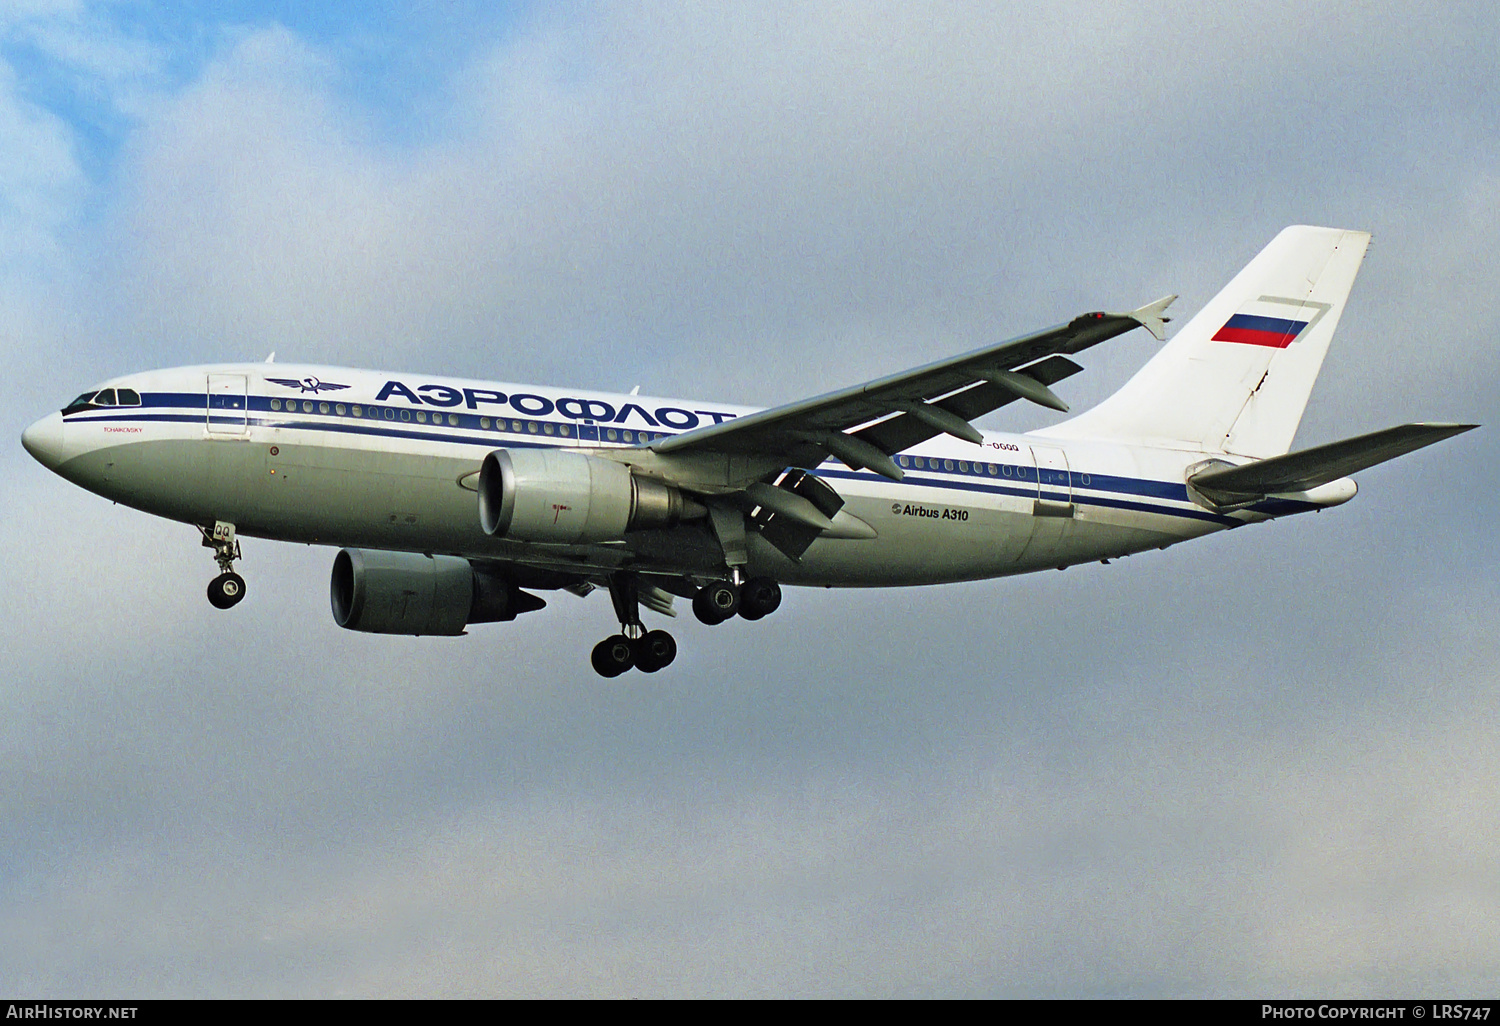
<point x="272" y="357"/>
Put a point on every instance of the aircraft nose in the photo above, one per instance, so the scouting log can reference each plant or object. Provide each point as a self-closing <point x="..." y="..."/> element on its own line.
<point x="44" y="440"/>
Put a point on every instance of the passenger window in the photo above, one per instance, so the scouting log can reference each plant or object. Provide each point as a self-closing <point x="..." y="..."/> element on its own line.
<point x="453" y="420"/>
<point x="531" y="426"/>
<point x="275" y="404"/>
<point x="567" y="430"/>
<point x="322" y="407"/>
<point x="421" y="416"/>
<point x="307" y="406"/>
<point x="547" y="428"/>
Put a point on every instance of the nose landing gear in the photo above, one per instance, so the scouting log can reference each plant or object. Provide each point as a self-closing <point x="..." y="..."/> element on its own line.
<point x="225" y="590"/>
<point x="228" y="588"/>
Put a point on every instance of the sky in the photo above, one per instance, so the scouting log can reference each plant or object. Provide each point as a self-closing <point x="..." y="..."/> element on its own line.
<point x="1262" y="764"/>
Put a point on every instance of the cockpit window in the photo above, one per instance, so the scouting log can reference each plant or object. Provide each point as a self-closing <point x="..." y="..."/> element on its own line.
<point x="81" y="403"/>
<point x="104" y="398"/>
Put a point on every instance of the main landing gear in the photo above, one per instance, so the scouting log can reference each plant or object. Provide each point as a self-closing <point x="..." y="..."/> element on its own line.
<point x="720" y="600"/>
<point x="647" y="651"/>
<point x="228" y="588"/>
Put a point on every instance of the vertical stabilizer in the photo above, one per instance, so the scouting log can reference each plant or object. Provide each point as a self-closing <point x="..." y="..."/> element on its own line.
<point x="1236" y="378"/>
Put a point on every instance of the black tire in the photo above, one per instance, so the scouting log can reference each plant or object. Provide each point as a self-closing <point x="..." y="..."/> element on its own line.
<point x="226" y="590"/>
<point x="654" y="651"/>
<point x="716" y="602"/>
<point x="613" y="656"/>
<point x="760" y="597"/>
<point x="705" y="612"/>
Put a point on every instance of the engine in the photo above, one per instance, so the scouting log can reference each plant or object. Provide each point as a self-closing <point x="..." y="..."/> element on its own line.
<point x="549" y="495"/>
<point x="409" y="593"/>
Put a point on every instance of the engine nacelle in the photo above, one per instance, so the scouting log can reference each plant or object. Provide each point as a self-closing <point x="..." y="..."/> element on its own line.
<point x="549" y="495"/>
<point x="381" y="592"/>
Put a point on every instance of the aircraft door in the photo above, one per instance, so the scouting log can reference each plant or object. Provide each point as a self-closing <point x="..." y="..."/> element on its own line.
<point x="1052" y="512"/>
<point x="227" y="413"/>
<point x="1054" y="482"/>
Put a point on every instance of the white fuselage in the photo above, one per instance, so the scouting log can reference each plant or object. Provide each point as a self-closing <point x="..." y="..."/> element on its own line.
<point x="390" y="461"/>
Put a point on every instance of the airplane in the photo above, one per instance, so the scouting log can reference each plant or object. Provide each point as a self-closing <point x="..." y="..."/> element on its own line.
<point x="453" y="501"/>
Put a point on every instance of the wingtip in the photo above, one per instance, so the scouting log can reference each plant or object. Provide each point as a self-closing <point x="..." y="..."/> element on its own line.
<point x="1445" y="426"/>
<point x="1153" y="317"/>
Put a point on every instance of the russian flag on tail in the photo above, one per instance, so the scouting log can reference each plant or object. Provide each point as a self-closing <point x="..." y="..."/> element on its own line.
<point x="1257" y="324"/>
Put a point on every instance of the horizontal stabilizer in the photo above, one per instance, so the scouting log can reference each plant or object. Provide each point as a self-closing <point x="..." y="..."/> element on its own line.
<point x="1306" y="470"/>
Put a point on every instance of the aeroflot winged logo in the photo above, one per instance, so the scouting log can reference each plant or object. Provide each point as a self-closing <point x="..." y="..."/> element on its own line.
<point x="307" y="384"/>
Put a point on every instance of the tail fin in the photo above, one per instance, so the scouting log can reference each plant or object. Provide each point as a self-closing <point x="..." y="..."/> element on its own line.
<point x="1236" y="378"/>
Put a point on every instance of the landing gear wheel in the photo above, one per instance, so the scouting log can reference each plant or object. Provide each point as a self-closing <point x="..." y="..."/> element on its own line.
<point x="716" y="602"/>
<point x="614" y="655"/>
<point x="759" y="597"/>
<point x="225" y="590"/>
<point x="654" y="651"/>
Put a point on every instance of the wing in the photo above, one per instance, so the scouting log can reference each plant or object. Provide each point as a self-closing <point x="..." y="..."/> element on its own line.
<point x="865" y="424"/>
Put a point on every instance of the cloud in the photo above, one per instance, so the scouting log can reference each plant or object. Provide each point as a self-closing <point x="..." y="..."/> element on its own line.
<point x="43" y="186"/>
<point x="1293" y="863"/>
